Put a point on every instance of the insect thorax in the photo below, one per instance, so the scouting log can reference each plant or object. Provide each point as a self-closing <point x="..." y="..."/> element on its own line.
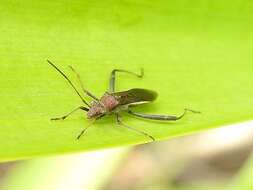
<point x="109" y="101"/>
<point x="106" y="104"/>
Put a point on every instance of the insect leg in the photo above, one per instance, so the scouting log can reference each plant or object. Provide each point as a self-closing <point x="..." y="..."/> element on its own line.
<point x="112" y="78"/>
<point x="84" y="130"/>
<point x="161" y="117"/>
<point x="119" y="121"/>
<point x="65" y="116"/>
<point x="80" y="81"/>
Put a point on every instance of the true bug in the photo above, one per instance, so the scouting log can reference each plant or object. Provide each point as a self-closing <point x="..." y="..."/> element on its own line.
<point x="115" y="102"/>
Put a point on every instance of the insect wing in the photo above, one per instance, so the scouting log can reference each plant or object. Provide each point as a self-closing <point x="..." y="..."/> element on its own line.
<point x="135" y="96"/>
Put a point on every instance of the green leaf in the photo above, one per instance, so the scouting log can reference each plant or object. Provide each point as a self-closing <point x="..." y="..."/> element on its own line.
<point x="195" y="54"/>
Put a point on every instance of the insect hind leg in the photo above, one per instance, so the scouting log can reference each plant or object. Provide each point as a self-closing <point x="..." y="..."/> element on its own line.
<point x="113" y="73"/>
<point x="119" y="122"/>
<point x="185" y="111"/>
<point x="162" y="117"/>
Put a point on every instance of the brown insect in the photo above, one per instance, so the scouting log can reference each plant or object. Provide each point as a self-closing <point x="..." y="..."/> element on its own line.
<point x="116" y="102"/>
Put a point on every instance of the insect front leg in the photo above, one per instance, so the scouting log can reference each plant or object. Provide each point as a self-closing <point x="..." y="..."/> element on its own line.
<point x="161" y="117"/>
<point x="119" y="122"/>
<point x="112" y="78"/>
<point x="84" y="130"/>
<point x="65" y="116"/>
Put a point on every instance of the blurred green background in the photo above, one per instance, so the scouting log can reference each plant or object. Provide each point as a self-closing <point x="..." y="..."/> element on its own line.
<point x="195" y="54"/>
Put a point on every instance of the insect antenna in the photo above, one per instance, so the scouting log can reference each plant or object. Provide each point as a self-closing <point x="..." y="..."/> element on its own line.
<point x="68" y="81"/>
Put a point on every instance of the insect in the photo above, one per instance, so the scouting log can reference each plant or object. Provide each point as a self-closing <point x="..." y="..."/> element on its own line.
<point x="113" y="103"/>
